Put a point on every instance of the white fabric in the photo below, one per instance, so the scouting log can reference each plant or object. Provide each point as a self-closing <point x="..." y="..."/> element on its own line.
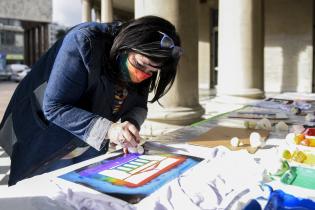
<point x="224" y="180"/>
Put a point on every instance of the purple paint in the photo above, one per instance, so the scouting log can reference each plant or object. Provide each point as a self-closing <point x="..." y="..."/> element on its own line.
<point x="108" y="165"/>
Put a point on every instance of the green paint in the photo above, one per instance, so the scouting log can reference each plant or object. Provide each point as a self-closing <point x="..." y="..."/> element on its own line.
<point x="283" y="169"/>
<point x="123" y="67"/>
<point x="299" y="176"/>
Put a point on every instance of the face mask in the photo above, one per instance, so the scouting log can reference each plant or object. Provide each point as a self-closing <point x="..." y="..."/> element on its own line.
<point x="131" y="73"/>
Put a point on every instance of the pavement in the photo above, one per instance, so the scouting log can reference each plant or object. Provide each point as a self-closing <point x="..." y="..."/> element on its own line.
<point x="6" y="90"/>
<point x="213" y="106"/>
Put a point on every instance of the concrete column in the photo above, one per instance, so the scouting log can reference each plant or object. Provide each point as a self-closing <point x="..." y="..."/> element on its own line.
<point x="204" y="45"/>
<point x="26" y="47"/>
<point x="106" y="11"/>
<point x="40" y="40"/>
<point x="31" y="46"/>
<point x="42" y="45"/>
<point x="36" y="42"/>
<point x="86" y="10"/>
<point x="34" y="47"/>
<point x="240" y="70"/>
<point x="97" y="15"/>
<point x="46" y="37"/>
<point x="181" y="103"/>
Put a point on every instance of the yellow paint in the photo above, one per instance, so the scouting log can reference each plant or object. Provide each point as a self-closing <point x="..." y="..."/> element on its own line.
<point x="286" y="154"/>
<point x="299" y="156"/>
<point x="310" y="159"/>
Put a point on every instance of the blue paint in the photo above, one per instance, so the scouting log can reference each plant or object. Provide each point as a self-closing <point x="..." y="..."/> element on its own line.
<point x="95" y="182"/>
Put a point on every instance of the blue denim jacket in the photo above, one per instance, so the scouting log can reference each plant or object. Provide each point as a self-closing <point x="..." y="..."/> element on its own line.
<point x="65" y="102"/>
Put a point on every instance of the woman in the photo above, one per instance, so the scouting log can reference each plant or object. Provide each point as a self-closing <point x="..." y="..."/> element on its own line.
<point x="90" y="89"/>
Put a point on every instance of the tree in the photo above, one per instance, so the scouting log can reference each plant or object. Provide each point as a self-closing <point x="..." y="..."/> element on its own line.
<point x="60" y="33"/>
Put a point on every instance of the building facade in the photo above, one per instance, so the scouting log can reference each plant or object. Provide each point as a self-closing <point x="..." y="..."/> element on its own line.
<point x="12" y="40"/>
<point x="24" y="29"/>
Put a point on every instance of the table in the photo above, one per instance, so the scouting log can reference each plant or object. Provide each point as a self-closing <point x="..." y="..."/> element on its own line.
<point x="224" y="180"/>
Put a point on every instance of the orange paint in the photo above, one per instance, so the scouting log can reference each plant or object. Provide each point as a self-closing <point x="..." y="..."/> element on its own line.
<point x="305" y="142"/>
<point x="137" y="75"/>
<point x="167" y="168"/>
<point x="298" y="138"/>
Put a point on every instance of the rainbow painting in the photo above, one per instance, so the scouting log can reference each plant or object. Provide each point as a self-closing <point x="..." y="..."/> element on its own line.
<point x="132" y="177"/>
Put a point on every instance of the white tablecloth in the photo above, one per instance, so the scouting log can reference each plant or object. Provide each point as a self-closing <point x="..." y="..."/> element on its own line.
<point x="224" y="180"/>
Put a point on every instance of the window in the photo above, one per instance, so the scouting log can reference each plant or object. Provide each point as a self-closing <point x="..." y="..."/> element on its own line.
<point x="7" y="38"/>
<point x="2" y="37"/>
<point x="10" y="22"/>
<point x="19" y="42"/>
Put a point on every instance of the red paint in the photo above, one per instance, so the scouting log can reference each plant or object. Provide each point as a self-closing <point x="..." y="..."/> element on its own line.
<point x="309" y="132"/>
<point x="179" y="160"/>
<point x="137" y="75"/>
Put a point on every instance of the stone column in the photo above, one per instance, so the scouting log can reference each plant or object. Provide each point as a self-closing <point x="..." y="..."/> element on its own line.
<point x="31" y="46"/>
<point x="42" y="35"/>
<point x="86" y="10"/>
<point x="97" y="15"/>
<point x="181" y="103"/>
<point x="40" y="40"/>
<point x="204" y="45"/>
<point x="46" y="36"/>
<point x="26" y="47"/>
<point x="106" y="11"/>
<point x="240" y="70"/>
<point x="36" y="42"/>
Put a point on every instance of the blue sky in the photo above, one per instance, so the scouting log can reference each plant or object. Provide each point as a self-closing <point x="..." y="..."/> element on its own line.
<point x="67" y="12"/>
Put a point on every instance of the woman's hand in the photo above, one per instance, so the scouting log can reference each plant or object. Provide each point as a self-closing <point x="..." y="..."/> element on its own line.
<point x="124" y="134"/>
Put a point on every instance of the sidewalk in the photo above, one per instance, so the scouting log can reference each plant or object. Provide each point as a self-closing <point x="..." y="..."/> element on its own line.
<point x="6" y="90"/>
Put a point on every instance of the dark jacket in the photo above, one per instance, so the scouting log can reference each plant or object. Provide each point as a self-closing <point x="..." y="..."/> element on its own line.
<point x="65" y="98"/>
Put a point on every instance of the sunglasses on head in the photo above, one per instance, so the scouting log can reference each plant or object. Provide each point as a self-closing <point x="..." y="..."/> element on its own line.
<point x="163" y="48"/>
<point x="166" y="41"/>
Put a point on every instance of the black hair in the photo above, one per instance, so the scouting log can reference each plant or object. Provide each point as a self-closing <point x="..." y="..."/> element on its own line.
<point x="141" y="32"/>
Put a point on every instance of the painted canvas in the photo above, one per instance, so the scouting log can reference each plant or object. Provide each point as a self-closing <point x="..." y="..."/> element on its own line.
<point x="132" y="177"/>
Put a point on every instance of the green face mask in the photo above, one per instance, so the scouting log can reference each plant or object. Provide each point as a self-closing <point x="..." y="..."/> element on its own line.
<point x="130" y="73"/>
<point x="123" y="67"/>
